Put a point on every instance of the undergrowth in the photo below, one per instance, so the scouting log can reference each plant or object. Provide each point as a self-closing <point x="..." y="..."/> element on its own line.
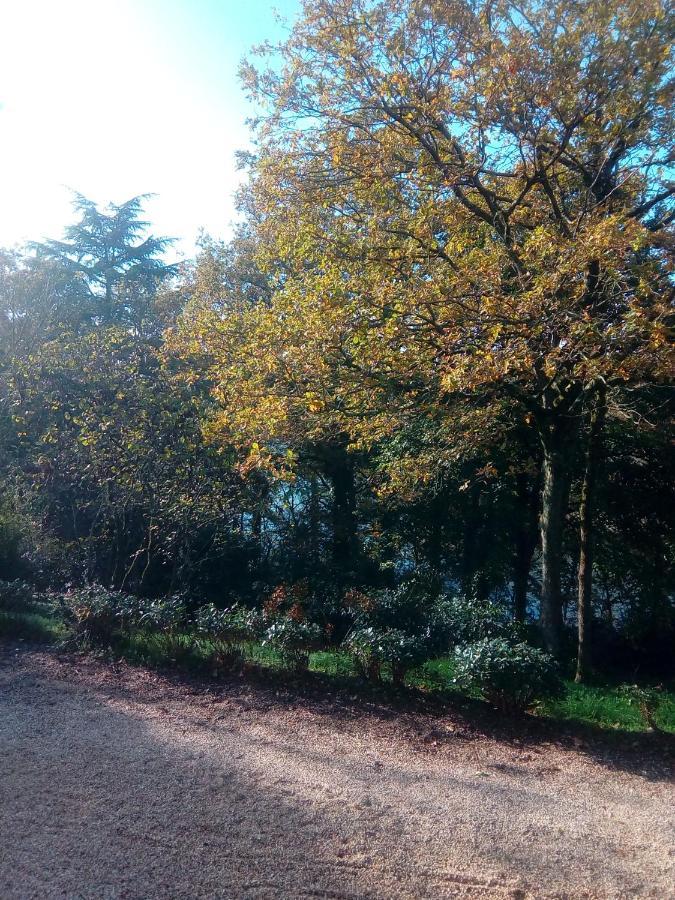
<point x="601" y="705"/>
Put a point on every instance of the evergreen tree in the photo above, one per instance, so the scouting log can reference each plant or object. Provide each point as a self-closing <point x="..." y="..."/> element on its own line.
<point x="107" y="251"/>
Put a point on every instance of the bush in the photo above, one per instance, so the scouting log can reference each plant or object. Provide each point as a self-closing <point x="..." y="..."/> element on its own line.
<point x="464" y="620"/>
<point x="417" y="609"/>
<point x="166" y="614"/>
<point x="17" y="595"/>
<point x="235" y="625"/>
<point x="407" y="607"/>
<point x="511" y="676"/>
<point x="371" y="647"/>
<point x="294" y="640"/>
<point x="412" y="623"/>
<point x="646" y="699"/>
<point x="96" y="613"/>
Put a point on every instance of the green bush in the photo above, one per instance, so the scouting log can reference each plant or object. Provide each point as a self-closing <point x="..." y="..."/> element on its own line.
<point x="372" y="647"/>
<point x="464" y="620"/>
<point x="511" y="676"/>
<point x="442" y="622"/>
<point x="294" y="641"/>
<point x="235" y="625"/>
<point x="408" y="607"/>
<point x="166" y="614"/>
<point x="17" y="595"/>
<point x="646" y="699"/>
<point x="95" y="613"/>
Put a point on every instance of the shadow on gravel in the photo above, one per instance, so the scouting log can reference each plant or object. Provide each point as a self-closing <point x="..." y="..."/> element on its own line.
<point x="98" y="804"/>
<point x="118" y="784"/>
<point x="425" y="718"/>
<point x="429" y="722"/>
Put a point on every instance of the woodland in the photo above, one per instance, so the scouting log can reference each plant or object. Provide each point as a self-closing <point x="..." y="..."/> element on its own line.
<point x="417" y="408"/>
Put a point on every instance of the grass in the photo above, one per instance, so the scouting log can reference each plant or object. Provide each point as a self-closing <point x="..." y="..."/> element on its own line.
<point x="35" y="622"/>
<point x="601" y="705"/>
<point x="605" y="706"/>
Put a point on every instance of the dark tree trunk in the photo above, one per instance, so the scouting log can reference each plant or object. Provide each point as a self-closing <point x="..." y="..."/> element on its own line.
<point x="470" y="540"/>
<point x="555" y="493"/>
<point x="434" y="549"/>
<point x="586" y="537"/>
<point x="260" y="497"/>
<point x="525" y="539"/>
<point x="314" y="518"/>
<point x="340" y="470"/>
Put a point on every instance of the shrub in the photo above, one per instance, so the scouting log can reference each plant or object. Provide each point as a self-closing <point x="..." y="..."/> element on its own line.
<point x="294" y="640"/>
<point x="95" y="613"/>
<point x="224" y="657"/>
<point x="418" y="609"/>
<point x="511" y="676"/>
<point x="17" y="595"/>
<point x="406" y="607"/>
<point x="371" y="647"/>
<point x="464" y="620"/>
<point x="231" y="626"/>
<point x="166" y="614"/>
<point x="318" y="602"/>
<point x="647" y="700"/>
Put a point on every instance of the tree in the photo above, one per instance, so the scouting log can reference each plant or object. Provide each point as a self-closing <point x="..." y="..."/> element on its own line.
<point x="124" y="481"/>
<point x="107" y="253"/>
<point x="474" y="202"/>
<point x="267" y="385"/>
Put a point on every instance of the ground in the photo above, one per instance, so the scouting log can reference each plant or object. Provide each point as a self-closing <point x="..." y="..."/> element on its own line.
<point x="121" y="783"/>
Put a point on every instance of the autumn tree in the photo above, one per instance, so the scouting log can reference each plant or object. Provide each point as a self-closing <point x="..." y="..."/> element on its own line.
<point x="475" y="202"/>
<point x="273" y="392"/>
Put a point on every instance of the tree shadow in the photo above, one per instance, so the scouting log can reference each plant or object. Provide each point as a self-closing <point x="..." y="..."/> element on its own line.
<point x="122" y="783"/>
<point x="98" y="802"/>
<point x="428" y="721"/>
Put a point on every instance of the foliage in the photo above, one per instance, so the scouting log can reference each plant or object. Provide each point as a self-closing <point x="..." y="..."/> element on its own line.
<point x="372" y="647"/>
<point x="647" y="700"/>
<point x="17" y="594"/>
<point x="107" y="252"/>
<point x="294" y="640"/>
<point x="511" y="676"/>
<point x="233" y="625"/>
<point x="368" y="412"/>
<point x="95" y="613"/>
<point x="166" y="614"/>
<point x="488" y="253"/>
<point x="464" y="620"/>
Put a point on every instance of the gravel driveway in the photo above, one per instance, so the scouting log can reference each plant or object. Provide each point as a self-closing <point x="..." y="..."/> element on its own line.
<point x="119" y="783"/>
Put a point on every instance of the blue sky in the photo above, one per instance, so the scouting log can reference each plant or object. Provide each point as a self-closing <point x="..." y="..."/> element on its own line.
<point x="118" y="98"/>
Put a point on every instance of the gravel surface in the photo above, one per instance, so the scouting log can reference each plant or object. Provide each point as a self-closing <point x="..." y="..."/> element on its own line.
<point x="120" y="783"/>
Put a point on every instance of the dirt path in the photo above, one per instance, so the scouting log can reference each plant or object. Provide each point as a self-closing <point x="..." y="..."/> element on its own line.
<point x="117" y="783"/>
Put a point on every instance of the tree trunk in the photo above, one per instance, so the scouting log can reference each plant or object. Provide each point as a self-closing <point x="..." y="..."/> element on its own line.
<point x="314" y="518"/>
<point x="434" y="547"/>
<point x="470" y="539"/>
<point x="586" y="522"/>
<point x="341" y="474"/>
<point x="257" y="520"/>
<point x="525" y="539"/>
<point x="555" y="492"/>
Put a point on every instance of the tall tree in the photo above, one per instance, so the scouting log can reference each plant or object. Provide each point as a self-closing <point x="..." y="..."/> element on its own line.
<point x="108" y="252"/>
<point x="586" y="535"/>
<point x="475" y="200"/>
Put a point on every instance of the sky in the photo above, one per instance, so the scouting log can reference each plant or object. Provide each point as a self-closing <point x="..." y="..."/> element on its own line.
<point x="114" y="98"/>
